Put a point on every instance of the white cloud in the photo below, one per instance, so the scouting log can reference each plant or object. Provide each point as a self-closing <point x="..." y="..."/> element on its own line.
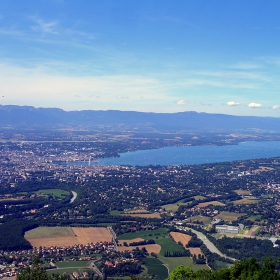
<point x="182" y="102"/>
<point x="245" y="66"/>
<point x="44" y="26"/>
<point x="276" y="107"/>
<point x="254" y="105"/>
<point x="232" y="103"/>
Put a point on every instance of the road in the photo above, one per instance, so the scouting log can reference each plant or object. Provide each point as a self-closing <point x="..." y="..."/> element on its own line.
<point x="74" y="196"/>
<point x="96" y="268"/>
<point x="212" y="248"/>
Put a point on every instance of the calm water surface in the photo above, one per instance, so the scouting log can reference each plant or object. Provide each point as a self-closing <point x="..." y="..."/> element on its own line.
<point x="193" y="154"/>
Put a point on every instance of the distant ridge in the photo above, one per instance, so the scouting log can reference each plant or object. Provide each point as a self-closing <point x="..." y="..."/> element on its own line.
<point x="27" y="116"/>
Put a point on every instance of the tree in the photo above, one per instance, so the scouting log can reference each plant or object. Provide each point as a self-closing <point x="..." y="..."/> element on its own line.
<point x="246" y="269"/>
<point x="36" y="272"/>
<point x="181" y="273"/>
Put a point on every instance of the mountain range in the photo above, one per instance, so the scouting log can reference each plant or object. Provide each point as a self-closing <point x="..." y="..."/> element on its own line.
<point x="27" y="116"/>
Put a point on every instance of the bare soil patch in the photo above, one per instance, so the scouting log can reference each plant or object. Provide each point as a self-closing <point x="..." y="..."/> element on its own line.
<point x="246" y="201"/>
<point x="180" y="237"/>
<point x="87" y="235"/>
<point x="253" y="231"/>
<point x="155" y="248"/>
<point x="242" y="192"/>
<point x="214" y="202"/>
<point x="203" y="219"/>
<point x="263" y="169"/>
<point x="81" y="236"/>
<point x="148" y="216"/>
<point x="136" y="211"/>
<point x="195" y="251"/>
<point x="9" y="199"/>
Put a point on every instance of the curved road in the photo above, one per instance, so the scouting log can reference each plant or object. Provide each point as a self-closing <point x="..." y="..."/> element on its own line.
<point x="212" y="248"/>
<point x="74" y="196"/>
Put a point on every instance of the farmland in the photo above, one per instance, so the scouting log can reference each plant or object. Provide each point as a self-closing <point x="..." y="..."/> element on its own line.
<point x="151" y="248"/>
<point x="246" y="201"/>
<point x="55" y="192"/>
<point x="228" y="216"/>
<point x="156" y="267"/>
<point x="214" y="202"/>
<point x="172" y="263"/>
<point x="155" y="248"/>
<point x="137" y="211"/>
<point x="147" y="216"/>
<point x="180" y="237"/>
<point x="66" y="236"/>
<point x="160" y="236"/>
<point x="184" y="239"/>
<point x="205" y="220"/>
<point x="173" y="207"/>
<point x="242" y="192"/>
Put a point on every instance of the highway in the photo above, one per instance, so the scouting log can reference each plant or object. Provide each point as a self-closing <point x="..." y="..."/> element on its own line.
<point x="74" y="196"/>
<point x="212" y="248"/>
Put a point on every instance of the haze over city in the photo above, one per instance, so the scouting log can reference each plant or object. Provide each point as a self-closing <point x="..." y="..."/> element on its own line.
<point x="149" y="56"/>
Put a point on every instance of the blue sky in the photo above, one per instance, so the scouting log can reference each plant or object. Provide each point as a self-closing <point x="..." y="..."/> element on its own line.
<point x="151" y="56"/>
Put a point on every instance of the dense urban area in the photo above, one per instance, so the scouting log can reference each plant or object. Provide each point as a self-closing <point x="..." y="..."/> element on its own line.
<point x="153" y="215"/>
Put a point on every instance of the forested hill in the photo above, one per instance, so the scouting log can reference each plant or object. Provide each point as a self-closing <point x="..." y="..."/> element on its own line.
<point x="31" y="116"/>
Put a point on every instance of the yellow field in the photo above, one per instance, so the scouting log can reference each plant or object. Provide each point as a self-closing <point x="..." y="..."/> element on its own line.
<point x="195" y="251"/>
<point x="184" y="239"/>
<point x="148" y="216"/>
<point x="151" y="248"/>
<point x="180" y="237"/>
<point x="242" y="192"/>
<point x="136" y="211"/>
<point x="81" y="236"/>
<point x="263" y="168"/>
<point x="214" y="202"/>
<point x="246" y="201"/>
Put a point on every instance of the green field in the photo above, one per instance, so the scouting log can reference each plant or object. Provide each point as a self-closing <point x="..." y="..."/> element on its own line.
<point x="228" y="216"/>
<point x="199" y="197"/>
<point x="147" y="234"/>
<point x="156" y="267"/>
<point x="254" y="218"/>
<point x="55" y="192"/>
<point x="172" y="263"/>
<point x="160" y="236"/>
<point x="72" y="264"/>
<point x="173" y="207"/>
<point x="116" y="213"/>
<point x="167" y="244"/>
<point x="204" y="219"/>
<point x="49" y="232"/>
<point x="69" y="270"/>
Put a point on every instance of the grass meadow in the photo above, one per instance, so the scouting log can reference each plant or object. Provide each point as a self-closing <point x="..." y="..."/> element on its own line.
<point x="55" y="192"/>
<point x="41" y="232"/>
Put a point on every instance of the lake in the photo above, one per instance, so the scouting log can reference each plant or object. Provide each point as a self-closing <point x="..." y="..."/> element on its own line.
<point x="193" y="154"/>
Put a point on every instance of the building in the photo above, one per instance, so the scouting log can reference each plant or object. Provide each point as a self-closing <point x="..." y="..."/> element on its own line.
<point x="228" y="229"/>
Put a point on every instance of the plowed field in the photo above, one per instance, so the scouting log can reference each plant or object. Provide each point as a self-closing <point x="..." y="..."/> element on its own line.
<point x="150" y="248"/>
<point x="81" y="236"/>
<point x="181" y="237"/>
